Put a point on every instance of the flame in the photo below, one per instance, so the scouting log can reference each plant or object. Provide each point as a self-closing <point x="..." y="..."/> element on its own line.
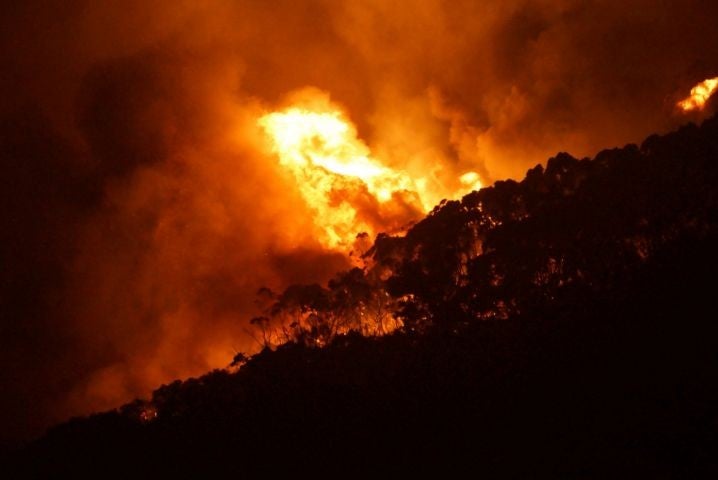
<point x="335" y="170"/>
<point x="471" y="180"/>
<point x="699" y="95"/>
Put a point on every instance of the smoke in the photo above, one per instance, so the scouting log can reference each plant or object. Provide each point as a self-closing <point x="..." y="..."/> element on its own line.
<point x="142" y="208"/>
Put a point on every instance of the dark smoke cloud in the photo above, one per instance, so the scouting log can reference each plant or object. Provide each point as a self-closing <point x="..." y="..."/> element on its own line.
<point x="141" y="210"/>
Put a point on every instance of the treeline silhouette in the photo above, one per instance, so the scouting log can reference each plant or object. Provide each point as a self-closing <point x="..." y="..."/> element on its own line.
<point x="559" y="326"/>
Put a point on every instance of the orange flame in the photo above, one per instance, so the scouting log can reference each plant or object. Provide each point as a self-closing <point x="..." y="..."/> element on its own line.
<point x="699" y="95"/>
<point x="333" y="168"/>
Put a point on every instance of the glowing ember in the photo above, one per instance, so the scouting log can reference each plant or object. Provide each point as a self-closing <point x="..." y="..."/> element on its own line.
<point x="699" y="95"/>
<point x="336" y="172"/>
<point x="147" y="413"/>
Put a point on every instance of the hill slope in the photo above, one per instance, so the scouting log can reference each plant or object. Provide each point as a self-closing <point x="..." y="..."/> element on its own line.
<point x="562" y="325"/>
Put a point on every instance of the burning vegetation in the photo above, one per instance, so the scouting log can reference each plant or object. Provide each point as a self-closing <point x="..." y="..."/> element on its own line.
<point x="560" y="326"/>
<point x="348" y="190"/>
<point x="161" y="161"/>
<point x="700" y="94"/>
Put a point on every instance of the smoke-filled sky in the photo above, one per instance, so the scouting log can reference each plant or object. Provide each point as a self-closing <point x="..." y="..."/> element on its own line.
<point x="142" y="208"/>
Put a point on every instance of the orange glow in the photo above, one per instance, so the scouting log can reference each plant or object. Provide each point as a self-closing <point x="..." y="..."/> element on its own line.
<point x="471" y="180"/>
<point x="699" y="95"/>
<point x="334" y="170"/>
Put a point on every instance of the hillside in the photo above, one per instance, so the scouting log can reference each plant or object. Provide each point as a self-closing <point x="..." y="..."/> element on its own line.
<point x="563" y="325"/>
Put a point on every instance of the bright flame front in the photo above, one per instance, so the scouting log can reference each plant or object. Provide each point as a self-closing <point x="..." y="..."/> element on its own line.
<point x="699" y="95"/>
<point x="349" y="191"/>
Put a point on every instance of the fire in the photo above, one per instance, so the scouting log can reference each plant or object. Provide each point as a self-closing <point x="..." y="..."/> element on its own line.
<point x="335" y="171"/>
<point x="471" y="180"/>
<point x="699" y="95"/>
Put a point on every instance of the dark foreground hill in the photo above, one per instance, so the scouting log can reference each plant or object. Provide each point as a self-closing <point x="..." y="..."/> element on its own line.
<point x="561" y="326"/>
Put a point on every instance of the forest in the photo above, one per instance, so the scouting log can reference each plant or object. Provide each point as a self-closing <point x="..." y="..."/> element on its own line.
<point x="558" y="326"/>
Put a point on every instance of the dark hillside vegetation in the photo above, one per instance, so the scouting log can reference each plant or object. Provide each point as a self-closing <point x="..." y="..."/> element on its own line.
<point x="564" y="325"/>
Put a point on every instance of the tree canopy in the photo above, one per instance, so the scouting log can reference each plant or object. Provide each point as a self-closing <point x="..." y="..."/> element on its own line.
<point x="558" y="326"/>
